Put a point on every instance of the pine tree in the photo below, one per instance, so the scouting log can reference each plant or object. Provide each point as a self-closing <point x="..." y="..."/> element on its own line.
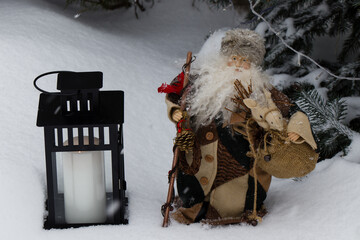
<point x="300" y="23"/>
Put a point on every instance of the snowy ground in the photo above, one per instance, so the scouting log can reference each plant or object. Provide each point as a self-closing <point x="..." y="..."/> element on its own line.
<point x="137" y="56"/>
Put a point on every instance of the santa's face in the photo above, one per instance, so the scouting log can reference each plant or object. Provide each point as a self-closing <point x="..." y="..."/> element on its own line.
<point x="214" y="89"/>
<point x="239" y="62"/>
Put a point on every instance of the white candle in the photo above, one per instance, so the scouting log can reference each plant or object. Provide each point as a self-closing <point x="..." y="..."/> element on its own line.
<point x="84" y="187"/>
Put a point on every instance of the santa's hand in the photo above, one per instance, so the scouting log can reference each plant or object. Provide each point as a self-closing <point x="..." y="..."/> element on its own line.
<point x="293" y="136"/>
<point x="177" y="115"/>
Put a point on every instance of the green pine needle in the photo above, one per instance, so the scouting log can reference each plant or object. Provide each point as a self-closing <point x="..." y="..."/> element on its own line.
<point x="325" y="118"/>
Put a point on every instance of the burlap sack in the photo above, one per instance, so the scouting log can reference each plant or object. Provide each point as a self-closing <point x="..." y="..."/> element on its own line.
<point x="283" y="159"/>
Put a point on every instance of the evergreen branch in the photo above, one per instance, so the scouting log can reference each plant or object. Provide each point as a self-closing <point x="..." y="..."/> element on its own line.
<point x="322" y="114"/>
<point x="339" y="23"/>
<point x="339" y="108"/>
<point x="352" y="43"/>
<point x="331" y="143"/>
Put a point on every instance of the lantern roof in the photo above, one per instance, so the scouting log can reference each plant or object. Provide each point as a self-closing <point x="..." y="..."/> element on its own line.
<point x="80" y="102"/>
<point x="110" y="111"/>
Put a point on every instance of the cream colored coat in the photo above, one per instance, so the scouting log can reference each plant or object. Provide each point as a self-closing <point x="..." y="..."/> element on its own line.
<point x="229" y="198"/>
<point x="222" y="198"/>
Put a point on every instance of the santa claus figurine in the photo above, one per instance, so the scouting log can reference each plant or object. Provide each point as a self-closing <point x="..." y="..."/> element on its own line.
<point x="219" y="180"/>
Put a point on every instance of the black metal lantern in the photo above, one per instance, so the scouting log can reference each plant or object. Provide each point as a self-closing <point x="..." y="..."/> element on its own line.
<point x="84" y="151"/>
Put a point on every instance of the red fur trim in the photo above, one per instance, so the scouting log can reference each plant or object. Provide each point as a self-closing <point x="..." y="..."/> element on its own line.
<point x="175" y="87"/>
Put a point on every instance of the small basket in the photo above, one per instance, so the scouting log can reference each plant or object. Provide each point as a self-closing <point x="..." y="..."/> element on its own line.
<point x="285" y="159"/>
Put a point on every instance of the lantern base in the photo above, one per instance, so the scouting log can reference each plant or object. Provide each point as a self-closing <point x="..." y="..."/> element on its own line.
<point x="48" y="226"/>
<point x="59" y="223"/>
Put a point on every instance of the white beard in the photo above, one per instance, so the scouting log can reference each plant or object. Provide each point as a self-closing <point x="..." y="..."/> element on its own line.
<point x="213" y="89"/>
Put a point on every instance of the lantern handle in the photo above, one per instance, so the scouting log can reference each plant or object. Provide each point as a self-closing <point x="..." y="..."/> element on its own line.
<point x="44" y="74"/>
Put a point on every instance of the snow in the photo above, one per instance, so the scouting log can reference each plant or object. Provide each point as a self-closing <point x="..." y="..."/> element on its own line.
<point x="314" y="78"/>
<point x="354" y="150"/>
<point x="353" y="108"/>
<point x="290" y="29"/>
<point x="282" y="81"/>
<point x="261" y="28"/>
<point x="137" y="56"/>
<point x="322" y="9"/>
<point x="210" y="50"/>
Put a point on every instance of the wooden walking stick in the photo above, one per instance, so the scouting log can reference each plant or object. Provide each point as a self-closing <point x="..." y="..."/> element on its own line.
<point x="177" y="149"/>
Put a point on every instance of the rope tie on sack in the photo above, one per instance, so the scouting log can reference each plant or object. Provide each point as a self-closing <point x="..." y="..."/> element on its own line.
<point x="256" y="155"/>
<point x="254" y="215"/>
<point x="275" y="134"/>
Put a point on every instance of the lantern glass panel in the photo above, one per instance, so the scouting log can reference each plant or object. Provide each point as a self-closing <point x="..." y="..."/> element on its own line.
<point x="83" y="187"/>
